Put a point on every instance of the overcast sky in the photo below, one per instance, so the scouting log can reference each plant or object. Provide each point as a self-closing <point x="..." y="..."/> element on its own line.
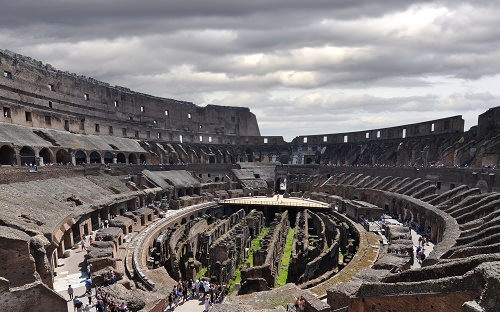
<point x="303" y="67"/>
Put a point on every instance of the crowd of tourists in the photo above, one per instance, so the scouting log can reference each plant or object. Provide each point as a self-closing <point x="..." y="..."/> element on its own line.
<point x="209" y="293"/>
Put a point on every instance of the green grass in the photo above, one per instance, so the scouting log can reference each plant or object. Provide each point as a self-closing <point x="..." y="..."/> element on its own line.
<point x="285" y="260"/>
<point x="254" y="245"/>
<point x="202" y="272"/>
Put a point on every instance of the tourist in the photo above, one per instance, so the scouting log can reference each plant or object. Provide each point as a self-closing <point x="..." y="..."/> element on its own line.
<point x="99" y="306"/>
<point x="88" y="283"/>
<point x="171" y="298"/>
<point x="78" y="304"/>
<point x="70" y="292"/>
<point x="83" y="244"/>
<point x="193" y="288"/>
<point x="89" y="295"/>
<point x="197" y="288"/>
<point x="207" y="303"/>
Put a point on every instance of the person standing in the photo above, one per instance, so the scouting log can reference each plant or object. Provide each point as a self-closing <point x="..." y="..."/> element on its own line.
<point x="70" y="292"/>
<point x="207" y="303"/>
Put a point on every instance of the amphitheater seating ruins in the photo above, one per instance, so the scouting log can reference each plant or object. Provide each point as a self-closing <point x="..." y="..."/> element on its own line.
<point x="149" y="178"/>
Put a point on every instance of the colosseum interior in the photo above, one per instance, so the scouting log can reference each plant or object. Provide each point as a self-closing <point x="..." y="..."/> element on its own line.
<point x="170" y="190"/>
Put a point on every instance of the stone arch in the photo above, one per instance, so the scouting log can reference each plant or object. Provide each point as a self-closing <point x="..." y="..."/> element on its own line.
<point x="7" y="155"/>
<point x="217" y="179"/>
<point x="120" y="158"/>
<point x="108" y="158"/>
<point x="142" y="159"/>
<point x="211" y="159"/>
<point x="284" y="158"/>
<point x="132" y="159"/>
<point x="46" y="155"/>
<point x="63" y="157"/>
<point x="95" y="157"/>
<point x="27" y="155"/>
<point x="80" y="157"/>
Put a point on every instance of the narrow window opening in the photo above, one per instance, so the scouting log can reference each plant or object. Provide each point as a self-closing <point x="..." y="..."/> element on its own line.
<point x="28" y="116"/>
<point x="51" y="87"/>
<point x="432" y="127"/>
<point x="86" y="96"/>
<point x="265" y="140"/>
<point x="110" y="130"/>
<point x="50" y="104"/>
<point x="166" y="112"/>
<point x="82" y="124"/>
<point x="209" y="139"/>
<point x="305" y="140"/>
<point x="189" y="116"/>
<point x="404" y="133"/>
<point x="130" y="118"/>
<point x="201" y="138"/>
<point x="378" y="134"/>
<point x="180" y="138"/>
<point x="325" y="139"/>
<point x="142" y="109"/>
<point x="367" y="135"/>
<point x="66" y="125"/>
<point x="97" y="128"/>
<point x="7" y="74"/>
<point x="346" y="139"/>
<point x="136" y="134"/>
<point x="158" y="135"/>
<point x="201" y="126"/>
<point x="6" y="112"/>
<point x="115" y="103"/>
<point x="155" y="122"/>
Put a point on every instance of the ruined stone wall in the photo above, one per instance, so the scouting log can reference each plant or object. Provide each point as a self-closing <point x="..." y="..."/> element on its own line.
<point x="266" y="260"/>
<point x="84" y="102"/>
<point x="32" y="297"/>
<point x="228" y="252"/>
<point x="453" y="124"/>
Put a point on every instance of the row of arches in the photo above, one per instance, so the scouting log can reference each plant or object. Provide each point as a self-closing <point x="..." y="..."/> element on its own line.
<point x="11" y="155"/>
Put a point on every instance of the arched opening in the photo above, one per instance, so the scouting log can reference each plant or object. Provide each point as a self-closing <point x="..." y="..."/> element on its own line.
<point x="217" y="179"/>
<point x="120" y="158"/>
<point x="108" y="158"/>
<point x="7" y="155"/>
<point x="46" y="155"/>
<point x="249" y="155"/>
<point x="132" y="159"/>
<point x="80" y="157"/>
<point x="284" y="159"/>
<point x="27" y="156"/>
<point x="142" y="158"/>
<point x="63" y="157"/>
<point x="308" y="160"/>
<point x="211" y="160"/>
<point x="95" y="158"/>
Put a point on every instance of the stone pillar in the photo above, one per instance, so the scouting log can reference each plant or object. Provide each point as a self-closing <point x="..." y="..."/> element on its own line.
<point x="68" y="239"/>
<point x="114" y="159"/>
<point x="73" y="159"/>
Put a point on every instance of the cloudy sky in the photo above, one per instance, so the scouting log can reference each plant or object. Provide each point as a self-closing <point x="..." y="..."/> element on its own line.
<point x="303" y="67"/>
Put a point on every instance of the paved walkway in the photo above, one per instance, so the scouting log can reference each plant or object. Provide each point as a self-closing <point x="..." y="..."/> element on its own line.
<point x="427" y="249"/>
<point x="72" y="271"/>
